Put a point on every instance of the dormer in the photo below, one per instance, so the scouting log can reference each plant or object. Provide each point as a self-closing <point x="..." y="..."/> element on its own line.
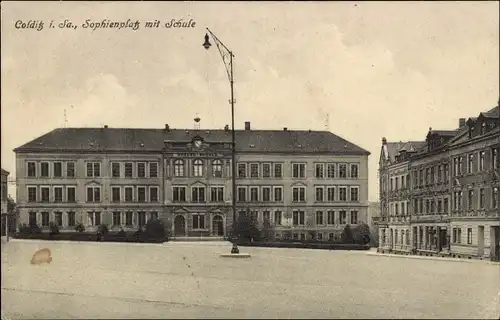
<point x="471" y="123"/>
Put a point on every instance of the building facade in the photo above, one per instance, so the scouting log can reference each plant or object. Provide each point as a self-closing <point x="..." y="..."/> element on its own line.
<point x="5" y="176"/>
<point x="303" y="182"/>
<point x="453" y="192"/>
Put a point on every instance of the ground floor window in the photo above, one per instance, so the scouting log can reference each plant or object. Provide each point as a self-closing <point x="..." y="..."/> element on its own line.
<point x="58" y="219"/>
<point x="153" y="215"/>
<point x="469" y="235"/>
<point x="71" y="219"/>
<point x="457" y="235"/>
<point x="198" y="221"/>
<point x="117" y="217"/>
<point x="302" y="236"/>
<point x="320" y="236"/>
<point x="129" y="218"/>
<point x="295" y="236"/>
<point x="94" y="218"/>
<point x="141" y="218"/>
<point x="45" y="219"/>
<point x="32" y="219"/>
<point x="330" y="237"/>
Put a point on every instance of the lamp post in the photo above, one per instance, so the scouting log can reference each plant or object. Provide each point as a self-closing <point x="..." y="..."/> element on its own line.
<point x="225" y="52"/>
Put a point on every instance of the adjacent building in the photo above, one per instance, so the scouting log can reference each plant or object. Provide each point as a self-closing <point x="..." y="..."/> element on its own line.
<point x="451" y="191"/>
<point x="4" y="206"/>
<point x="306" y="183"/>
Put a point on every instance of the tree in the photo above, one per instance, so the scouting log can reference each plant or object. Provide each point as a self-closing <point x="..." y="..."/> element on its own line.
<point x="246" y="227"/>
<point x="267" y="230"/>
<point x="54" y="229"/>
<point x="155" y="230"/>
<point x="361" y="234"/>
<point x="347" y="236"/>
<point x="80" y="227"/>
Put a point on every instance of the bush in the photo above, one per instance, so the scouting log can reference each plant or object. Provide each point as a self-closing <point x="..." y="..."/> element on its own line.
<point x="102" y="229"/>
<point x="361" y="234"/>
<point x="347" y="236"/>
<point x="155" y="230"/>
<point x="267" y="230"/>
<point x="54" y="229"/>
<point x="246" y="226"/>
<point x="121" y="233"/>
<point x="80" y="227"/>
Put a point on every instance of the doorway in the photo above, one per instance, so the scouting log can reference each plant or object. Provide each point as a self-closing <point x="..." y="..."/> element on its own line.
<point x="179" y="226"/>
<point x="480" y="241"/>
<point x="218" y="225"/>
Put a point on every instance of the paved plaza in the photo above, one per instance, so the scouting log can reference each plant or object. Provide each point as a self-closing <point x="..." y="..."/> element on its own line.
<point x="191" y="280"/>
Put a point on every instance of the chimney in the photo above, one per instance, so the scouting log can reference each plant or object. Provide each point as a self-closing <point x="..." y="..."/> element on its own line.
<point x="461" y="122"/>
<point x="384" y="141"/>
<point x="105" y="126"/>
<point x="285" y="129"/>
<point x="247" y="125"/>
<point x="226" y="128"/>
<point x="167" y="128"/>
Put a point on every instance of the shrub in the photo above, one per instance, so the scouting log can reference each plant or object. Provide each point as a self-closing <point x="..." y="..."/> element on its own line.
<point x="54" y="229"/>
<point x="267" y="230"/>
<point x="80" y="227"/>
<point x="361" y="234"/>
<point x="347" y="236"/>
<point x="246" y="226"/>
<point x="102" y="229"/>
<point x="155" y="230"/>
<point x="122" y="233"/>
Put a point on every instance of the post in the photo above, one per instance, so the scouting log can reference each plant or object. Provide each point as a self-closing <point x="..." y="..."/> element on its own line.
<point x="233" y="156"/>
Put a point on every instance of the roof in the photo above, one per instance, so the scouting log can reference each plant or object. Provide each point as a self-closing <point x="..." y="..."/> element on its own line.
<point x="5" y="172"/>
<point x="391" y="149"/>
<point x="448" y="133"/>
<point x="150" y="140"/>
<point x="493" y="113"/>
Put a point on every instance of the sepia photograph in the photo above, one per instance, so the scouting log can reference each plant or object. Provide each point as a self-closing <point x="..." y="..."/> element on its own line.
<point x="250" y="160"/>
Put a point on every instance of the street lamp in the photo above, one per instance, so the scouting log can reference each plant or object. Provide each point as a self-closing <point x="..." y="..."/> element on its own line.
<point x="225" y="52"/>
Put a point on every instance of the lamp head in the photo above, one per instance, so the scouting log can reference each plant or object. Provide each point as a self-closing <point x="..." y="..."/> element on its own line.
<point x="207" y="43"/>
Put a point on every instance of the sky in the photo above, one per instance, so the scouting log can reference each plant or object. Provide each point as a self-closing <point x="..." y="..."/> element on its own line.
<point x="363" y="70"/>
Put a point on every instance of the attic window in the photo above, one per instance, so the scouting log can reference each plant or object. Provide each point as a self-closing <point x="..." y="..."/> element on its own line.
<point x="142" y="144"/>
<point x="252" y="146"/>
<point x="91" y="144"/>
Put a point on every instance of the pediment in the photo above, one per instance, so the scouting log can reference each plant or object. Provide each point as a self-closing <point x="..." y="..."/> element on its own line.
<point x="93" y="183"/>
<point x="180" y="210"/>
<point x="198" y="184"/>
<point x="299" y="184"/>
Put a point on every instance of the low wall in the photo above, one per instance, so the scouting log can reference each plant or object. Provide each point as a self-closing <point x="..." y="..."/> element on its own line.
<point x="318" y="245"/>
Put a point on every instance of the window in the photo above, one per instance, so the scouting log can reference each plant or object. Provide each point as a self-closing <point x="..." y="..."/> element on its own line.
<point x="299" y="194"/>
<point x="469" y="235"/>
<point x="299" y="170"/>
<point x="198" y="168"/>
<point x="460" y="160"/>
<point x="439" y="206"/>
<point x="277" y="217"/>
<point x="319" y="217"/>
<point x="266" y="216"/>
<point x="481" y="160"/>
<point x="141" y="218"/>
<point x="217" y="168"/>
<point x="469" y="199"/>
<point x="330" y="170"/>
<point x="153" y="194"/>
<point x="57" y="169"/>
<point x="342" y="217"/>
<point x="128" y="170"/>
<point x="354" y="171"/>
<point x="254" y="194"/>
<point x="471" y="162"/>
<point x="242" y="170"/>
<point x="342" y="170"/>
<point x="198" y="221"/>
<point x="242" y="194"/>
<point x="494" y="197"/>
<point x="115" y="194"/>
<point x="198" y="194"/>
<point x="117" y="218"/>
<point x="483" y="128"/>
<point x="457" y="235"/>
<point x="58" y="194"/>
<point x="93" y="169"/>
<point x="44" y="172"/>
<point x="298" y="218"/>
<point x="254" y="170"/>
<point x="217" y="194"/>
<point x="179" y="168"/>
<point x="141" y="194"/>
<point x="141" y="170"/>
<point x="71" y="218"/>
<point x="494" y="158"/>
<point x="93" y="194"/>
<point x="31" y="169"/>
<point x="278" y="194"/>
<point x="319" y="170"/>
<point x="94" y="218"/>
<point x="129" y="221"/>
<point x="70" y="194"/>
<point x="129" y="194"/>
<point x="354" y="194"/>
<point x="32" y="194"/>
<point x="179" y="194"/>
<point x="320" y="236"/>
<point x="445" y="172"/>
<point x="302" y="236"/>
<point x="153" y="169"/>
<point x="45" y="194"/>
<point x="32" y="219"/>
<point x="330" y="217"/>
<point x="330" y="194"/>
<point x="331" y="236"/>
<point x="481" y="198"/>
<point x="153" y="215"/>
<point x="115" y="170"/>
<point x="319" y="194"/>
<point x="445" y="205"/>
<point x="354" y="217"/>
<point x="58" y="219"/>
<point x="266" y="170"/>
<point x="343" y="193"/>
<point x="278" y="170"/>
<point x="45" y="219"/>
<point x="70" y="169"/>
<point x="266" y="194"/>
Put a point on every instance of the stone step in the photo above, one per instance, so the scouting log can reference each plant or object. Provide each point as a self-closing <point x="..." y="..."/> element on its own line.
<point x="196" y="239"/>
